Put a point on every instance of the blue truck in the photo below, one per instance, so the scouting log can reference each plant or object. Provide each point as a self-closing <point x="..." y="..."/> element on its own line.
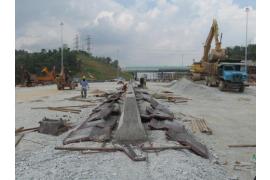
<point x="226" y="74"/>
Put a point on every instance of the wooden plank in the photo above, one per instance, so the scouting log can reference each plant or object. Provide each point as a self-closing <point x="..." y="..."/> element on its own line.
<point x="199" y="125"/>
<point x="28" y="129"/>
<point x="113" y="149"/>
<point x="81" y="106"/>
<point x="194" y="126"/>
<point x="241" y="145"/>
<point x="18" y="130"/>
<point x="18" y="138"/>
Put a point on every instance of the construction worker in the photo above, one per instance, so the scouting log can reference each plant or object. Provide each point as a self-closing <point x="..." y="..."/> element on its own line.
<point x="84" y="88"/>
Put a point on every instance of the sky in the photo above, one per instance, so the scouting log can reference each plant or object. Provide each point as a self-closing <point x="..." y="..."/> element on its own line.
<point x="137" y="32"/>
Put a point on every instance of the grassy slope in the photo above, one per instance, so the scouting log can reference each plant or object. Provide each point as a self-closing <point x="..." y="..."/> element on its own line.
<point x="100" y="70"/>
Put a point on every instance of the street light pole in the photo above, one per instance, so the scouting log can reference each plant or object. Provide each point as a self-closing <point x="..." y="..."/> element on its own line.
<point x="247" y="10"/>
<point x="182" y="60"/>
<point x="62" y="53"/>
<point x="117" y="56"/>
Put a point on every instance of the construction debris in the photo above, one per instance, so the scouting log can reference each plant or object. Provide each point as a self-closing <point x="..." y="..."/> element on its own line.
<point x="53" y="126"/>
<point x="118" y="148"/>
<point x="140" y="113"/>
<point x="200" y="124"/>
<point x="178" y="132"/>
<point x="66" y="108"/>
<point x="170" y="98"/>
<point x="98" y="126"/>
<point x="241" y="145"/>
<point x="243" y="165"/>
<point x="18" y="130"/>
<point x="79" y="106"/>
<point x="79" y="98"/>
<point x="18" y="138"/>
<point x="167" y="92"/>
<point x="99" y="93"/>
<point x="27" y="129"/>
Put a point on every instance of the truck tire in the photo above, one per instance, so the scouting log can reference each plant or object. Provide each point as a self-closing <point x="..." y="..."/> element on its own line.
<point x="242" y="89"/>
<point x="221" y="85"/>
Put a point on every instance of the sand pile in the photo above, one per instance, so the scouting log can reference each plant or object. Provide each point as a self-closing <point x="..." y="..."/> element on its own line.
<point x="185" y="86"/>
<point x="171" y="83"/>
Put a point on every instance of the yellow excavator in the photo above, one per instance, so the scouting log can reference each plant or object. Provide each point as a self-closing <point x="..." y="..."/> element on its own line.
<point x="197" y="68"/>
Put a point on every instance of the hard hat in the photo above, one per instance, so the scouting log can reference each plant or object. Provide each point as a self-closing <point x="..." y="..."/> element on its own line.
<point x="83" y="77"/>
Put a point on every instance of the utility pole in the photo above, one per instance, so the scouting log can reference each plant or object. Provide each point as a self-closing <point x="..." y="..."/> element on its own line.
<point x="62" y="46"/>
<point x="247" y="10"/>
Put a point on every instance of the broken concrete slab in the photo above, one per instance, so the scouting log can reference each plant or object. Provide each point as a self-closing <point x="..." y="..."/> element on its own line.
<point x="178" y="132"/>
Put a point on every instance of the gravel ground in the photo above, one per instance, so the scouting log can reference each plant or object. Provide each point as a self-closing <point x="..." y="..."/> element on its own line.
<point x="230" y="115"/>
<point x="37" y="159"/>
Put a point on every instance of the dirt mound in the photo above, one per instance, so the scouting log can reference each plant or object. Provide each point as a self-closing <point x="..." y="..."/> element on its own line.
<point x="185" y="86"/>
<point x="171" y="83"/>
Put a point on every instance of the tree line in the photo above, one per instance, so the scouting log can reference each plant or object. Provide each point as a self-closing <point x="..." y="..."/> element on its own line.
<point x="34" y="62"/>
<point x="238" y="52"/>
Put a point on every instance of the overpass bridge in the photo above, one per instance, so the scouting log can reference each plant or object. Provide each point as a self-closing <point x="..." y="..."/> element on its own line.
<point x="162" y="72"/>
<point x="142" y="69"/>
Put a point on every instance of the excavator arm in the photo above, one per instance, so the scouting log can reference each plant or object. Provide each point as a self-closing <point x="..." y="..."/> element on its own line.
<point x="212" y="34"/>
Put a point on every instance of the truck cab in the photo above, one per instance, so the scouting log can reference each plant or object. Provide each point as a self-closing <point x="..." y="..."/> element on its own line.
<point x="232" y="75"/>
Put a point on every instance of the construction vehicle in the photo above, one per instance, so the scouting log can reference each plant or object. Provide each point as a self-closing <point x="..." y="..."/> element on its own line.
<point x="64" y="80"/>
<point x="197" y="68"/>
<point x="26" y="78"/>
<point x="226" y="74"/>
<point x="218" y="69"/>
<point x="197" y="71"/>
<point x="48" y="77"/>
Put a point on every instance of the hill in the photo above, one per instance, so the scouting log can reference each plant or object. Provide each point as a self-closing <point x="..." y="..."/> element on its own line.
<point x="99" y="69"/>
<point x="79" y="63"/>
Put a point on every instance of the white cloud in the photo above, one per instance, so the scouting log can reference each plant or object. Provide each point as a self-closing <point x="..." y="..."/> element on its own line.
<point x="38" y="35"/>
<point x="104" y="17"/>
<point x="121" y="21"/>
<point x="153" y="13"/>
<point x="141" y="27"/>
<point x="124" y="21"/>
<point x="173" y="27"/>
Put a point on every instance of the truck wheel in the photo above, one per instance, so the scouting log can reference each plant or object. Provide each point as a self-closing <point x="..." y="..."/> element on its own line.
<point x="221" y="86"/>
<point x="241" y="89"/>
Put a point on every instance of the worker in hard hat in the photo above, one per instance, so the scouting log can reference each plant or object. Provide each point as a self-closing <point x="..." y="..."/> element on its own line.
<point x="84" y="87"/>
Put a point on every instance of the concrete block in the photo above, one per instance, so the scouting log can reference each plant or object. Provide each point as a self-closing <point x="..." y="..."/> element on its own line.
<point x="130" y="128"/>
